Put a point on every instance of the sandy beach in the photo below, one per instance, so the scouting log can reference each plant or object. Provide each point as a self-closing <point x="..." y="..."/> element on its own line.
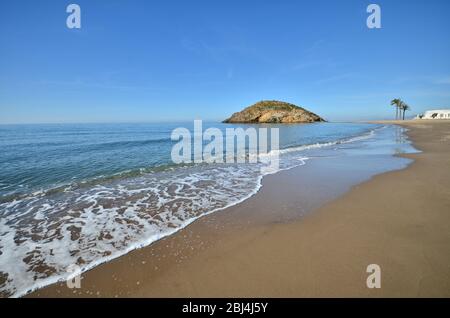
<point x="399" y="220"/>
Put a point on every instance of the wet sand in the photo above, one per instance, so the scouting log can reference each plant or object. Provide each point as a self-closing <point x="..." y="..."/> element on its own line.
<point x="276" y="245"/>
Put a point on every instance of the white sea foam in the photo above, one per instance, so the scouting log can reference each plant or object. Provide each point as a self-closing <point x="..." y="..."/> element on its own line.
<point x="42" y="234"/>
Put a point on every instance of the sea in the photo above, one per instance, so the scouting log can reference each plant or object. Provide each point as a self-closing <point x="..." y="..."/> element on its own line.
<point x="83" y="194"/>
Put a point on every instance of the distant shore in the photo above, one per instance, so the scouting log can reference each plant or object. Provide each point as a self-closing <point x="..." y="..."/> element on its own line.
<point x="398" y="220"/>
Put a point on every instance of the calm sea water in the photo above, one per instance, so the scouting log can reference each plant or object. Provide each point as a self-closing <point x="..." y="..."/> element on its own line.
<point x="84" y="194"/>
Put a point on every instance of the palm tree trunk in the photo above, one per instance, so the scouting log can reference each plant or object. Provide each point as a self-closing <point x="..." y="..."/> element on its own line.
<point x="404" y="114"/>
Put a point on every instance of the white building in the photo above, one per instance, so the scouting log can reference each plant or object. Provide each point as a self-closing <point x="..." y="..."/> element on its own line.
<point x="435" y="114"/>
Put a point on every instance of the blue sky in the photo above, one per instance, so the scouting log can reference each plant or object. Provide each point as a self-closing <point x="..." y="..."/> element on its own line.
<point x="179" y="60"/>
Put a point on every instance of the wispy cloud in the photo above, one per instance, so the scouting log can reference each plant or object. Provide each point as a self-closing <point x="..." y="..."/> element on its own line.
<point x="423" y="79"/>
<point x="388" y="95"/>
<point x="312" y="63"/>
<point x="91" y="84"/>
<point x="315" y="46"/>
<point x="218" y="52"/>
<point x="334" y="78"/>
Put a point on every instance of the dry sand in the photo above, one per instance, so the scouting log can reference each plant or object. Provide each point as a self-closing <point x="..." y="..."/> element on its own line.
<point x="399" y="220"/>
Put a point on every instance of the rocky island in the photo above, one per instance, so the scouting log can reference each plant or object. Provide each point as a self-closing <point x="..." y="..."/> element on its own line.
<point x="274" y="112"/>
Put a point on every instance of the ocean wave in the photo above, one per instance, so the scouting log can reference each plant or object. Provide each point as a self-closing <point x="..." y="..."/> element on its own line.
<point x="90" y="223"/>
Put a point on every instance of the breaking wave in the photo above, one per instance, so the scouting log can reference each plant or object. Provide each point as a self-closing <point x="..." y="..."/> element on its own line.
<point x="91" y="222"/>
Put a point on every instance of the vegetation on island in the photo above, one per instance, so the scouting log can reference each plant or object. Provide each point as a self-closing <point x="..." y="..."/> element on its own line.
<point x="272" y="111"/>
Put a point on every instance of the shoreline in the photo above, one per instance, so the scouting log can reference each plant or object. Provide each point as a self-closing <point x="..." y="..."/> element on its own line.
<point x="55" y="279"/>
<point x="202" y="259"/>
<point x="48" y="260"/>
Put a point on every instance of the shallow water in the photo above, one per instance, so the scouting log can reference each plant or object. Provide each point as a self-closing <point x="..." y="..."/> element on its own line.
<point x="84" y="194"/>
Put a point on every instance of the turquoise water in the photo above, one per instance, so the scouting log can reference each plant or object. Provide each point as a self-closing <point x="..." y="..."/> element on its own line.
<point x="84" y="194"/>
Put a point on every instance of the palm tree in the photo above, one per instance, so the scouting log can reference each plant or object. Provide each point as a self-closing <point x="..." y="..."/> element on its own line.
<point x="405" y="107"/>
<point x="397" y="103"/>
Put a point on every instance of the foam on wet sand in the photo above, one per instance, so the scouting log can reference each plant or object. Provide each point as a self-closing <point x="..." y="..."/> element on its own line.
<point x="270" y="245"/>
